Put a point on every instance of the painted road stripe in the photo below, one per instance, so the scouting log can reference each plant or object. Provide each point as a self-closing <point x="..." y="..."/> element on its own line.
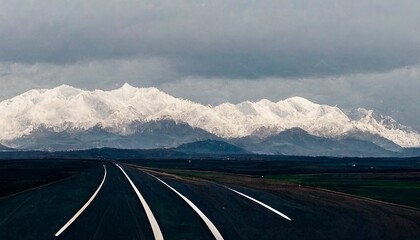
<point x="209" y="224"/>
<point x="261" y="203"/>
<point x="83" y="208"/>
<point x="152" y="220"/>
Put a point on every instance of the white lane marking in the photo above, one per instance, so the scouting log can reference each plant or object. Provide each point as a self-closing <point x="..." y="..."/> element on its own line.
<point x="209" y="224"/>
<point x="83" y="208"/>
<point x="261" y="203"/>
<point x="152" y="220"/>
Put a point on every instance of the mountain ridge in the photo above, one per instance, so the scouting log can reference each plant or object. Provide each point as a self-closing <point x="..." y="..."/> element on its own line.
<point x="72" y="110"/>
<point x="297" y="141"/>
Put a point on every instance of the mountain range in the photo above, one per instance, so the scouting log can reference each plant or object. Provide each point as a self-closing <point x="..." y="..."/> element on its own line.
<point x="67" y="118"/>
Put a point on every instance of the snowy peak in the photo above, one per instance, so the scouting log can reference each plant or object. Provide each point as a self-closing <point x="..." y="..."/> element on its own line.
<point x="127" y="91"/>
<point x="299" y="103"/>
<point x="128" y="87"/>
<point x="66" y="108"/>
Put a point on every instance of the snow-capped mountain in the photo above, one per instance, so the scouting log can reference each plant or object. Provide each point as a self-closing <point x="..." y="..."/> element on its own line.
<point x="72" y="110"/>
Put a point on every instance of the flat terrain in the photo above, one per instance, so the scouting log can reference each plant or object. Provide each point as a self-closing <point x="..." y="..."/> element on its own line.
<point x="19" y="175"/>
<point x="190" y="199"/>
<point x="394" y="187"/>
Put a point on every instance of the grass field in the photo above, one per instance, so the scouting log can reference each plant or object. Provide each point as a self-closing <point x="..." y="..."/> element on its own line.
<point x="20" y="175"/>
<point x="401" y="188"/>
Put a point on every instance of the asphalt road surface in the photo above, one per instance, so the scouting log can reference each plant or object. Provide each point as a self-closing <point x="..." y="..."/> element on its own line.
<point x="115" y="201"/>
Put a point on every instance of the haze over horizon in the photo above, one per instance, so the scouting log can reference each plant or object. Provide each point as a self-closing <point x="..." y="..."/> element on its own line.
<point x="353" y="54"/>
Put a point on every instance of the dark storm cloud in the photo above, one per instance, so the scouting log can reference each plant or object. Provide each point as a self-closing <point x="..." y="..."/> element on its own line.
<point x="232" y="39"/>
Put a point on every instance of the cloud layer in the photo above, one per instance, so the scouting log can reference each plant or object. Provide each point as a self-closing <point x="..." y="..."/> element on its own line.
<point x="235" y="39"/>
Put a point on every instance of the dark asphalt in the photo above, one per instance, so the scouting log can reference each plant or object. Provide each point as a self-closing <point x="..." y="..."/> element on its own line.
<point x="116" y="212"/>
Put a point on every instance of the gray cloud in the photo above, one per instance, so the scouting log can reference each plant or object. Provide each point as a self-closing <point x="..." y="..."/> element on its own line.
<point x="16" y="78"/>
<point x="234" y="39"/>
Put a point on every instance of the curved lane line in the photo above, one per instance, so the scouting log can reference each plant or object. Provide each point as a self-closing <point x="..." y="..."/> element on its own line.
<point x="261" y="203"/>
<point x="83" y="208"/>
<point x="209" y="224"/>
<point x="152" y="220"/>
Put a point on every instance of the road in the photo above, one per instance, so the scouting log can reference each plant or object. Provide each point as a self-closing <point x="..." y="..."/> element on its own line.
<point x="115" y="201"/>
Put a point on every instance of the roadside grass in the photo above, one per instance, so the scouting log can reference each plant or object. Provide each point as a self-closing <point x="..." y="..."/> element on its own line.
<point x="401" y="188"/>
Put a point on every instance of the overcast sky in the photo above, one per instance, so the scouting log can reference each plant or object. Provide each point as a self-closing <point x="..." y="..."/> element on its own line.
<point x="351" y="53"/>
